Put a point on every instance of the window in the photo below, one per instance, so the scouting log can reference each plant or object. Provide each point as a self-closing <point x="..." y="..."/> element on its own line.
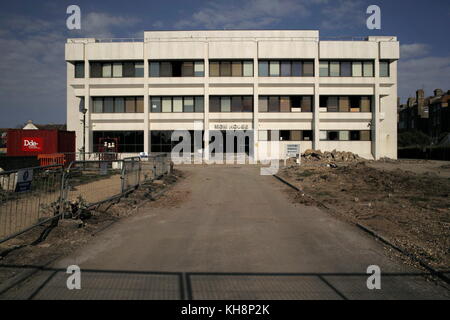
<point x="296" y="69"/>
<point x="154" y="69"/>
<point x="225" y="104"/>
<point x="368" y="68"/>
<point x="308" y="69"/>
<point x="155" y="104"/>
<point x="345" y="135"/>
<point x="285" y="104"/>
<point x="199" y="104"/>
<point x="187" y="69"/>
<point x="274" y="104"/>
<point x="263" y="69"/>
<point x="199" y="69"/>
<point x="98" y="105"/>
<point x="323" y="69"/>
<point x="346" y="103"/>
<point x="285" y="68"/>
<point x="188" y="105"/>
<point x="263" y="104"/>
<point x="79" y="69"/>
<point x="263" y="135"/>
<point x="128" y="141"/>
<point x="231" y="104"/>
<point x="285" y="135"/>
<point x="139" y="104"/>
<point x="165" y="69"/>
<point x="108" y="106"/>
<point x="117" y="70"/>
<point x="106" y="70"/>
<point x="335" y="69"/>
<point x="231" y="68"/>
<point x="274" y="68"/>
<point x="130" y="104"/>
<point x="166" y="104"/>
<point x="384" y="69"/>
<point x="248" y="69"/>
<point x="178" y="104"/>
<point x="161" y="141"/>
<point x="118" y="104"/>
<point x="357" y="69"/>
<point x="346" y="69"/>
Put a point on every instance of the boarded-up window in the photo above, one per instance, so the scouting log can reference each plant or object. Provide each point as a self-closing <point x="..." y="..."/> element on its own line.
<point x="335" y="69"/>
<point x="324" y="69"/>
<point x="214" y="104"/>
<point x="117" y="70"/>
<point x="140" y="104"/>
<point x="187" y="69"/>
<point x="236" y="69"/>
<point x="236" y="104"/>
<point x="368" y="68"/>
<point x="129" y="70"/>
<point x="306" y="104"/>
<point x="263" y="135"/>
<point x="365" y="135"/>
<point x="225" y="69"/>
<point x="247" y="104"/>
<point x="365" y="104"/>
<point x="344" y="135"/>
<point x="263" y="104"/>
<point x="308" y="69"/>
<point x="199" y="69"/>
<point x="296" y="135"/>
<point x="274" y="104"/>
<point x="130" y="104"/>
<point x="344" y="104"/>
<point x="165" y="69"/>
<point x="214" y="70"/>
<point x="323" y="135"/>
<point x="96" y="70"/>
<point x="285" y="104"/>
<point x="332" y="104"/>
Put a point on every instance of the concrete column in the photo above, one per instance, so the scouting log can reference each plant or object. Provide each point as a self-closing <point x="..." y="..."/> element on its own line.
<point x="256" y="104"/>
<point x="316" y="113"/>
<point x="206" y="100"/>
<point x="87" y="104"/>
<point x="147" y="137"/>
<point x="375" y="127"/>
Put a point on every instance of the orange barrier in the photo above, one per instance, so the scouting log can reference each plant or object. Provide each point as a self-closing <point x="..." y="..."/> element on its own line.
<point x="51" y="159"/>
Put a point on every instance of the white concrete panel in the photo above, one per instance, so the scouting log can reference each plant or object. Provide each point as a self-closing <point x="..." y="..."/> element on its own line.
<point x="280" y="116"/>
<point x="175" y="50"/>
<point x="116" y="91"/>
<point x="177" y="116"/>
<point x="179" y="125"/>
<point x="232" y="50"/>
<point x="74" y="51"/>
<point x="389" y="50"/>
<point x="344" y="125"/>
<point x="131" y="125"/>
<point x="362" y="148"/>
<point x="176" y="91"/>
<point x="345" y="90"/>
<point x="230" y="116"/>
<point x="287" y="49"/>
<point x="285" y="125"/>
<point x="278" y="90"/>
<point x="224" y="91"/>
<point x="348" y="50"/>
<point x="115" y="51"/>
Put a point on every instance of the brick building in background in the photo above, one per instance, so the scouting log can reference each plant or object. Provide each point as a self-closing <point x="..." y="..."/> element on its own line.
<point x="429" y="115"/>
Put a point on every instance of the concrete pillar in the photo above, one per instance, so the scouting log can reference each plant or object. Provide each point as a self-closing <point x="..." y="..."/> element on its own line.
<point x="147" y="137"/>
<point x="316" y="114"/>
<point x="206" y="107"/>
<point x="87" y="104"/>
<point x="375" y="127"/>
<point x="255" y="105"/>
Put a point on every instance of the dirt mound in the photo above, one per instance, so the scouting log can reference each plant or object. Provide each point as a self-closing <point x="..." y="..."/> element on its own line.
<point x="327" y="156"/>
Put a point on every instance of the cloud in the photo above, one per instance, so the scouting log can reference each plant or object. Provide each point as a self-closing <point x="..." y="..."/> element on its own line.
<point x="427" y="72"/>
<point x="251" y="14"/>
<point x="414" y="50"/>
<point x="103" y="25"/>
<point x="342" y="14"/>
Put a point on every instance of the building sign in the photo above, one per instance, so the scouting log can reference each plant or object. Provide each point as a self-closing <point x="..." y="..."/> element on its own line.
<point x="292" y="150"/>
<point x="24" y="178"/>
<point x="230" y="126"/>
<point x="32" y="144"/>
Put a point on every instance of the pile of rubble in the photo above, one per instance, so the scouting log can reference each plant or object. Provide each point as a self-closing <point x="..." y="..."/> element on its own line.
<point x="327" y="156"/>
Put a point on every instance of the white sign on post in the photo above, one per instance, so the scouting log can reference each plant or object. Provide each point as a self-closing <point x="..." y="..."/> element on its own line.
<point x="292" y="150"/>
<point x="24" y="178"/>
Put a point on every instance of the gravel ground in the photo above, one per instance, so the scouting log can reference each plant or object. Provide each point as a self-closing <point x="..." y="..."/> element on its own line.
<point x="405" y="201"/>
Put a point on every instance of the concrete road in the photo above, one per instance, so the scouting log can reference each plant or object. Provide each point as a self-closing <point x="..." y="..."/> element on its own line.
<point x="230" y="233"/>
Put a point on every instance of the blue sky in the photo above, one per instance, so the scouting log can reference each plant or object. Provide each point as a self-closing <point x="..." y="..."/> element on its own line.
<point x="32" y="36"/>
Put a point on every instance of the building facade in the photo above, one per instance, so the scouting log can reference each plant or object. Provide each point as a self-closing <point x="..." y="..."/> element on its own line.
<point x="282" y="86"/>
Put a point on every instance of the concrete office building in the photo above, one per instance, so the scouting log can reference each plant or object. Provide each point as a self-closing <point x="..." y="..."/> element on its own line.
<point x="284" y="85"/>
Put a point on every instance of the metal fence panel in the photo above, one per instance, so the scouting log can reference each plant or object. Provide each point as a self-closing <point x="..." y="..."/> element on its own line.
<point x="131" y="173"/>
<point x="30" y="203"/>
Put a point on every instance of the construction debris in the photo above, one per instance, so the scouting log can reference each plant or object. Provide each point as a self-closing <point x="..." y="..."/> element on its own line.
<point x="327" y="156"/>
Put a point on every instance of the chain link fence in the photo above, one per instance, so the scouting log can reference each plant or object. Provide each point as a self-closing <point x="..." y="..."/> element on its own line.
<point x="34" y="196"/>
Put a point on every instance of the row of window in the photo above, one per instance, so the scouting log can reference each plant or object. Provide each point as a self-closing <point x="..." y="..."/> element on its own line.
<point x="232" y="68"/>
<point x="286" y="68"/>
<point x="133" y="141"/>
<point x="285" y="135"/>
<point x="118" y="105"/>
<point x="346" y="103"/>
<point x="179" y="104"/>
<point x="345" y="135"/>
<point x="285" y="103"/>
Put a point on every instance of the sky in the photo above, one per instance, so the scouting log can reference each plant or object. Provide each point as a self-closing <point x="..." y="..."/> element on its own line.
<point x="33" y="33"/>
